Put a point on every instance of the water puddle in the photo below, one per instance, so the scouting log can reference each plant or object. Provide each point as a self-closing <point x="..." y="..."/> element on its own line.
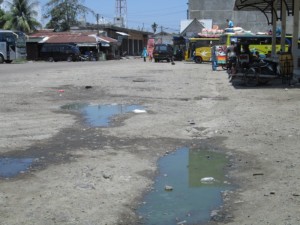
<point x="188" y="187"/>
<point x="100" y="115"/>
<point x="11" y="167"/>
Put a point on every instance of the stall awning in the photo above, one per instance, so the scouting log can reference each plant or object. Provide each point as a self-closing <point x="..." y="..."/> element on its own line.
<point x="106" y="41"/>
<point x="266" y="7"/>
<point x="86" y="44"/>
<point x="122" y="33"/>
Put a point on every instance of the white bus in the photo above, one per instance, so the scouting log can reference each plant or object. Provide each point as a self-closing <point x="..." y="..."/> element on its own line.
<point x="8" y="48"/>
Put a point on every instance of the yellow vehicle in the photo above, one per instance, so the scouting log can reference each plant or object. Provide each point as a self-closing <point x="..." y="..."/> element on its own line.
<point x="199" y="49"/>
<point x="257" y="43"/>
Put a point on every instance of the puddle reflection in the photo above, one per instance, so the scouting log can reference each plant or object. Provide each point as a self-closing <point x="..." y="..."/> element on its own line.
<point x="190" y="201"/>
<point x="10" y="167"/>
<point x="100" y="115"/>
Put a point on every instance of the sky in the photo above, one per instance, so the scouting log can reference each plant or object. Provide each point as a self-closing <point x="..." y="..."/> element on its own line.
<point x="141" y="14"/>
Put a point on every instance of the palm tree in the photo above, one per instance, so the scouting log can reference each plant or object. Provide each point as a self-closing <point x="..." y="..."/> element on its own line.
<point x="21" y="16"/>
<point x="154" y="27"/>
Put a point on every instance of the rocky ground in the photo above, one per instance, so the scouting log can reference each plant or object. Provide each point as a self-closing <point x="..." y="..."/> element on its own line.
<point x="84" y="175"/>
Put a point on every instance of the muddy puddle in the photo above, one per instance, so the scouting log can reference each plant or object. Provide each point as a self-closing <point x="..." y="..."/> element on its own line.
<point x="187" y="189"/>
<point x="11" y="167"/>
<point x="100" y="115"/>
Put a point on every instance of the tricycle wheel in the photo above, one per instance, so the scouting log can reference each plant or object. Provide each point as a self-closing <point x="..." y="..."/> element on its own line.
<point x="224" y="67"/>
<point x="251" y="78"/>
<point x="263" y="82"/>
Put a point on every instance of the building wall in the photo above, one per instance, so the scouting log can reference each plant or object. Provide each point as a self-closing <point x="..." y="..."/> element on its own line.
<point x="219" y="10"/>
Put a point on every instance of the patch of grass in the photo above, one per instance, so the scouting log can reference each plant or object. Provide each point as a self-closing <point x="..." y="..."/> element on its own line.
<point x="19" y="61"/>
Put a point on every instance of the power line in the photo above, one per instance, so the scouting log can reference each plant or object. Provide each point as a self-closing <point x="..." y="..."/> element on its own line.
<point x="158" y="14"/>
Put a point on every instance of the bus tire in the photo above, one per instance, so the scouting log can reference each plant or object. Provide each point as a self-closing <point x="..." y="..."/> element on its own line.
<point x="8" y="61"/>
<point x="198" y="59"/>
<point x="1" y="59"/>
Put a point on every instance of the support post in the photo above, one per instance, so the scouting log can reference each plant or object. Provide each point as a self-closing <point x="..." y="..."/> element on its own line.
<point x="295" y="50"/>
<point x="274" y="23"/>
<point x="283" y="26"/>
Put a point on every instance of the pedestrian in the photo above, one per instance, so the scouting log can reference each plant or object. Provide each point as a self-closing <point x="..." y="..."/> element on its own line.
<point x="145" y="54"/>
<point x="230" y="23"/>
<point x="256" y="56"/>
<point x="150" y="56"/>
<point x="231" y="57"/>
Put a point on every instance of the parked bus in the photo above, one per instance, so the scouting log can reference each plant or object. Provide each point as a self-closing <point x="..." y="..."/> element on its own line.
<point x="8" y="40"/>
<point x="257" y="43"/>
<point x="199" y="49"/>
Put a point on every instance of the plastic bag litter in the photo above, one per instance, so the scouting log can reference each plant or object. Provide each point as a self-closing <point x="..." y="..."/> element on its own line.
<point x="139" y="111"/>
<point x="207" y="180"/>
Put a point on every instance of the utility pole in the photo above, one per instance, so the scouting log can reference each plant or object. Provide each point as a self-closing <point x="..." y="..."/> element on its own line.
<point x="162" y="33"/>
<point x="188" y="11"/>
<point x="97" y="17"/>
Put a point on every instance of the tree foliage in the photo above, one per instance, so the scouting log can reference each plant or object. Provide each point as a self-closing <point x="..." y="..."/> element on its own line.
<point x="2" y="19"/>
<point x="64" y="13"/>
<point x="21" y="16"/>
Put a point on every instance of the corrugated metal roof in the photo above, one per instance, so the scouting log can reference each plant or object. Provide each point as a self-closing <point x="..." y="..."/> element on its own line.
<point x="266" y="7"/>
<point x="49" y="36"/>
<point x="263" y="5"/>
<point x="108" y="39"/>
<point x="71" y="38"/>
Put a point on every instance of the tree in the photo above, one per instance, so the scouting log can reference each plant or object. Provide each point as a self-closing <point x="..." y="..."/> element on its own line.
<point x="2" y="18"/>
<point x="154" y="27"/>
<point x="21" y="16"/>
<point x="64" y="13"/>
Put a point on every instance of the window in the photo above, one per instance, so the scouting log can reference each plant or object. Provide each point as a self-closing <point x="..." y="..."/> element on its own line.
<point x="162" y="48"/>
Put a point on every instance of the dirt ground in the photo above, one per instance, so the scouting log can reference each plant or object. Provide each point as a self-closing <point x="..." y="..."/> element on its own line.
<point x="96" y="176"/>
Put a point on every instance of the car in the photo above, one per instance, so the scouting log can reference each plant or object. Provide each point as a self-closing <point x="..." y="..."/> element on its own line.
<point x="163" y="52"/>
<point x="59" y="52"/>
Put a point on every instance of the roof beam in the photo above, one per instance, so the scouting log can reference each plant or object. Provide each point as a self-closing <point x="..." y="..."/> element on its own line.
<point x="266" y="7"/>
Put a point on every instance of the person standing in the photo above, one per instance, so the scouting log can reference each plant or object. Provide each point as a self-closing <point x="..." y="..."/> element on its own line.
<point x="145" y="54"/>
<point x="231" y="57"/>
<point x="150" y="55"/>
<point x="230" y="23"/>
